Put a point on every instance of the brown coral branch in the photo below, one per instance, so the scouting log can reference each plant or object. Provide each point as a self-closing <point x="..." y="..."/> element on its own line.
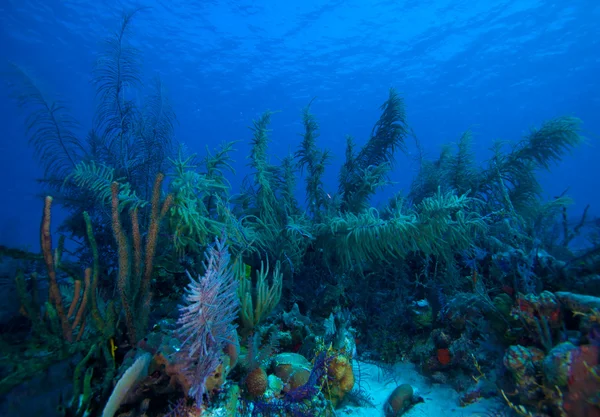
<point x="76" y="295"/>
<point x="152" y="235"/>
<point x="53" y="290"/>
<point x="135" y="288"/>
<point x="137" y="247"/>
<point x="81" y="330"/>
<point x="96" y="316"/>
<point x="156" y="217"/>
<point x="124" y="266"/>
<point x="84" y="301"/>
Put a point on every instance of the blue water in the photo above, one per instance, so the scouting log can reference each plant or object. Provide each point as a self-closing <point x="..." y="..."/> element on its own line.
<point x="497" y="67"/>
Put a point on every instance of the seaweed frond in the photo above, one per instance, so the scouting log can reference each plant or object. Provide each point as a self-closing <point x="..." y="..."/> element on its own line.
<point x="154" y="142"/>
<point x="462" y="174"/>
<point x="309" y="156"/>
<point x="260" y="141"/>
<point x="97" y="179"/>
<point x="349" y="166"/>
<point x="387" y="135"/>
<point x="50" y="127"/>
<point x="116" y="71"/>
<point x="510" y="178"/>
<point x="376" y="157"/>
<point x="440" y="226"/>
<point x="221" y="161"/>
<point x="431" y="176"/>
<point x="550" y="142"/>
<point x="307" y="153"/>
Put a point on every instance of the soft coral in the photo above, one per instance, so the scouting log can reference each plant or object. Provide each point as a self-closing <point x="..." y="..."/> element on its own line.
<point x="206" y="321"/>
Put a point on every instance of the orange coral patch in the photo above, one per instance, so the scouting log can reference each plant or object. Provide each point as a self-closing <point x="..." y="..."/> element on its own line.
<point x="443" y="356"/>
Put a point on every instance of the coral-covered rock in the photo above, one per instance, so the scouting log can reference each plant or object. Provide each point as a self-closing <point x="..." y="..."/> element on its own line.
<point x="422" y="314"/>
<point x="341" y="378"/>
<point x="216" y="380"/>
<point x="583" y="396"/>
<point x="444" y="357"/>
<point x="578" y="302"/>
<point x="169" y="372"/>
<point x="523" y="363"/>
<point x="400" y="400"/>
<point x="256" y="382"/>
<point x="441" y="338"/>
<point x="275" y="386"/>
<point x="292" y="368"/>
<point x="531" y="307"/>
<point x="556" y="364"/>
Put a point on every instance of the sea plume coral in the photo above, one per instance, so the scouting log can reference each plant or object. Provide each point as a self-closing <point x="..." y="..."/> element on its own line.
<point x="206" y="318"/>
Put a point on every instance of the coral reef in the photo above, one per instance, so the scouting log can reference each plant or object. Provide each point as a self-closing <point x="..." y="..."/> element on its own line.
<point x="182" y="298"/>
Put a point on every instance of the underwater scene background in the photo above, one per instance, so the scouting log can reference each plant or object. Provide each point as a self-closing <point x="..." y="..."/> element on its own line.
<point x="316" y="208"/>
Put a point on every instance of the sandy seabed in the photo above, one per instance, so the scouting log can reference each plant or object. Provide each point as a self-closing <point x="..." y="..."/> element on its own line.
<point x="439" y="400"/>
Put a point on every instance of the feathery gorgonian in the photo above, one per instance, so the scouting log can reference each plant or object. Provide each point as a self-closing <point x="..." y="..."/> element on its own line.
<point x="206" y="317"/>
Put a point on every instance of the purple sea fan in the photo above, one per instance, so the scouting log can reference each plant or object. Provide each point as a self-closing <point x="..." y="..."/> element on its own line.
<point x="311" y="387"/>
<point x="206" y="318"/>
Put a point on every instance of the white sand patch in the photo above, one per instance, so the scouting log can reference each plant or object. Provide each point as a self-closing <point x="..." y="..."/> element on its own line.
<point x="439" y="400"/>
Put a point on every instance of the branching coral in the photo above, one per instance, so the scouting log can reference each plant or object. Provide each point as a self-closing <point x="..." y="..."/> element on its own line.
<point x="257" y="303"/>
<point x="438" y="226"/>
<point x="97" y="180"/>
<point x="190" y="219"/>
<point x="314" y="160"/>
<point x="50" y="127"/>
<point x="135" y="272"/>
<point x="201" y="204"/>
<point x="365" y="171"/>
<point x="266" y="203"/>
<point x="515" y="171"/>
<point x="117" y="68"/>
<point x="206" y="321"/>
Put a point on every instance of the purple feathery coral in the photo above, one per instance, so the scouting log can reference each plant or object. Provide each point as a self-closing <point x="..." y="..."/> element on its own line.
<point x="299" y="401"/>
<point x="206" y="321"/>
<point x="311" y="387"/>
